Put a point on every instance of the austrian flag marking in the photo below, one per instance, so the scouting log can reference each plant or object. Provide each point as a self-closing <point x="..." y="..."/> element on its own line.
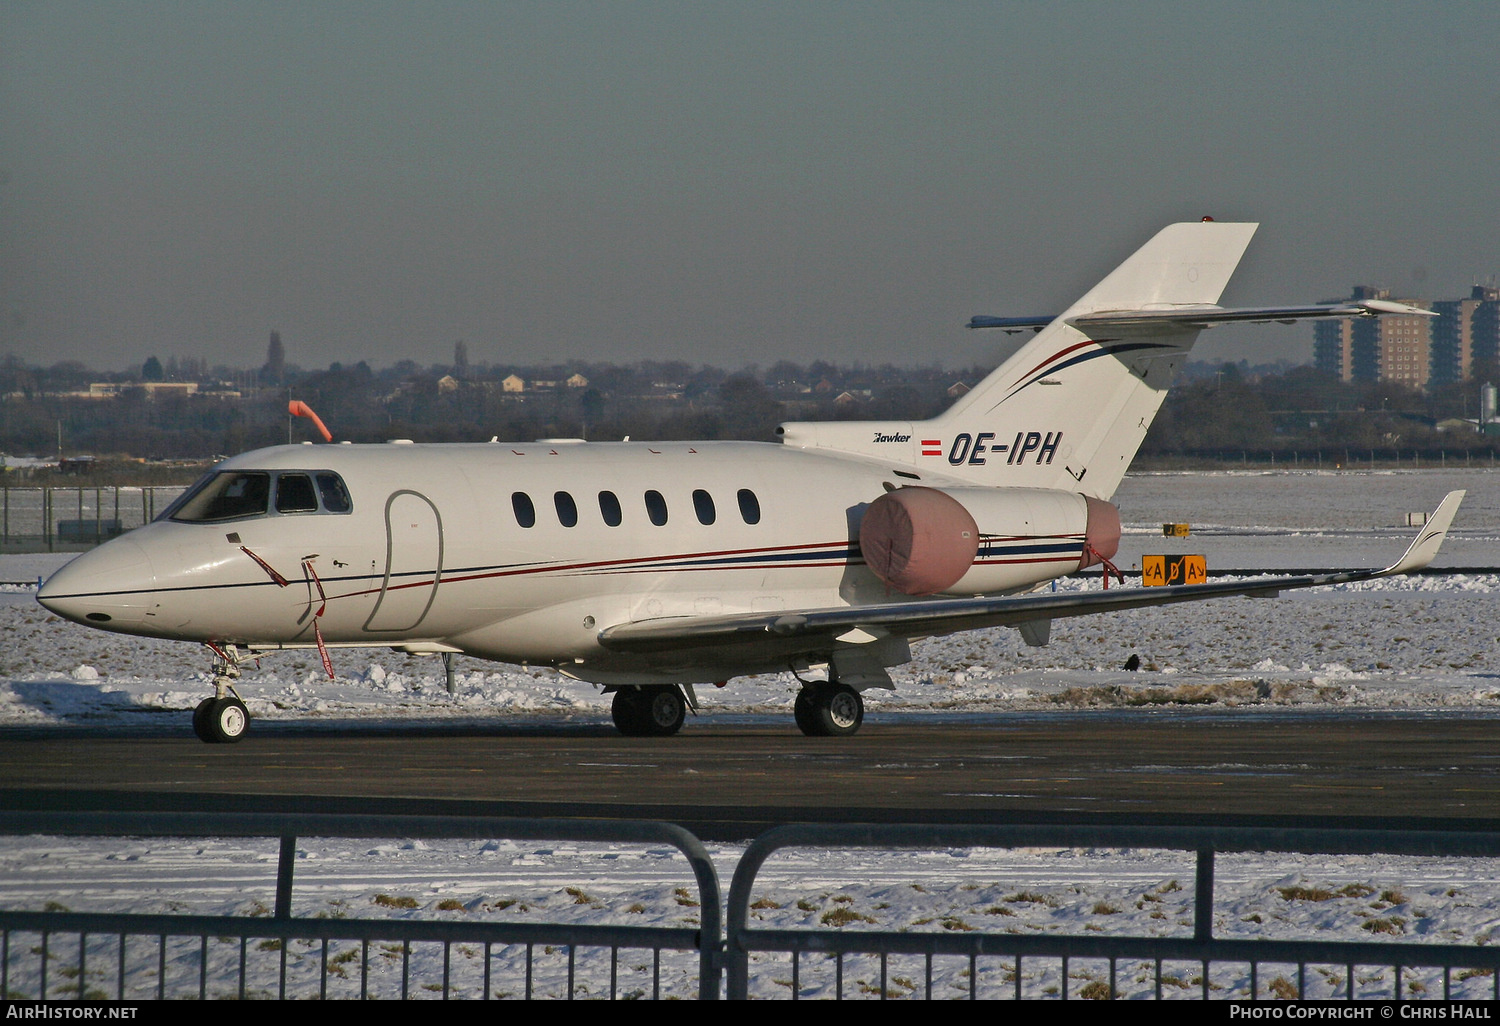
<point x="932" y="447"/>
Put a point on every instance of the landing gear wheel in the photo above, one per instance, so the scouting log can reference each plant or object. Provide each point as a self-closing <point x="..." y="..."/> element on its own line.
<point x="226" y="721"/>
<point x="829" y="710"/>
<point x="665" y="710"/>
<point x="656" y="711"/>
<point x="200" y="721"/>
<point x="842" y="712"/>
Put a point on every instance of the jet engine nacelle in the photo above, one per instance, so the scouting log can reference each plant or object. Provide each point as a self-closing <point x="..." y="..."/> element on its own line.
<point x="969" y="541"/>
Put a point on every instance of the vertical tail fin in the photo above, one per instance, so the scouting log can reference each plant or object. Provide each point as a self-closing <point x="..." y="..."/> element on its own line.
<point x="1070" y="408"/>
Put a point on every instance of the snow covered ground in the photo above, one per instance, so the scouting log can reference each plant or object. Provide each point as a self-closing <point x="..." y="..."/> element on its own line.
<point x="1416" y="643"/>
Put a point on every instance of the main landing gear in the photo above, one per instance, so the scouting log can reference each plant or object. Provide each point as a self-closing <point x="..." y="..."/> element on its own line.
<point x="655" y="710"/>
<point x="222" y="719"/>
<point x="828" y="709"/>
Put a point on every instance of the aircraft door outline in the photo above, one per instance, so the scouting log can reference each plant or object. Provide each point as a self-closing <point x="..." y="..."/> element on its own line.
<point x="404" y="555"/>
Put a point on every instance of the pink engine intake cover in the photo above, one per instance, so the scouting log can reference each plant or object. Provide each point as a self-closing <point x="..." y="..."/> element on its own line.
<point x="919" y="540"/>
<point x="1102" y="533"/>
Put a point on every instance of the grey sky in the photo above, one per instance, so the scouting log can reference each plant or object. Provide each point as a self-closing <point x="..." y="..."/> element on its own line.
<point x="725" y="183"/>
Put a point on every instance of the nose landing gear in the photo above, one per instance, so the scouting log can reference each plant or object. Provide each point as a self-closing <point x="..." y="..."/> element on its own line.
<point x="222" y="719"/>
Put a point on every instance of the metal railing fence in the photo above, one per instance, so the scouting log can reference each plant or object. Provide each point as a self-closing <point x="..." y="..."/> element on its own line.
<point x="66" y="518"/>
<point x="1201" y="948"/>
<point x="278" y="930"/>
<point x="723" y="948"/>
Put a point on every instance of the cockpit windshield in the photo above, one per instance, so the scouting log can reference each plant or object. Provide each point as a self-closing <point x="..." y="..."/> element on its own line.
<point x="237" y="494"/>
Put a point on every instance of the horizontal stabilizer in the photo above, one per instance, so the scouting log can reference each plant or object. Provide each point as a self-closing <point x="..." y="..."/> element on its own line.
<point x="1011" y="325"/>
<point x="1197" y="317"/>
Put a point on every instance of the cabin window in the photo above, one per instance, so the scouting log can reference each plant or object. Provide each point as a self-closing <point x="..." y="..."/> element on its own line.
<point x="294" y="494"/>
<point x="567" y="509"/>
<point x="609" y="509"/>
<point x="703" y="505"/>
<point x="525" y="511"/>
<point x="749" y="506"/>
<point x="335" y="495"/>
<point x="229" y="495"/>
<point x="656" y="508"/>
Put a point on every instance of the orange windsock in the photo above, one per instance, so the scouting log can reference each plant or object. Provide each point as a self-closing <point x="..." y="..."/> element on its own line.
<point x="298" y="408"/>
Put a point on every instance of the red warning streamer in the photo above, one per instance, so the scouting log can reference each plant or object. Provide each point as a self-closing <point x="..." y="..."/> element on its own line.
<point x="322" y="650"/>
<point x="281" y="582"/>
<point x="1109" y="568"/>
<point x="307" y="567"/>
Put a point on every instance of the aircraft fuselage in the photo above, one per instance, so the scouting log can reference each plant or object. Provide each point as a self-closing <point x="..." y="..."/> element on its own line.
<point x="524" y="553"/>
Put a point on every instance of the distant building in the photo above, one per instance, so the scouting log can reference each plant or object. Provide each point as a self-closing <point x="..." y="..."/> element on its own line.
<point x="1465" y="333"/>
<point x="1419" y="352"/>
<point x="153" y="389"/>
<point x="513" y="383"/>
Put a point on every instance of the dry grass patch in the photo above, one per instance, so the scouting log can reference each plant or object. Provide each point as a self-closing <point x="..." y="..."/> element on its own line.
<point x="1030" y="898"/>
<point x="1283" y="988"/>
<point x="1299" y="893"/>
<point x="1094" y="990"/>
<point x="842" y="916"/>
<point x="393" y="901"/>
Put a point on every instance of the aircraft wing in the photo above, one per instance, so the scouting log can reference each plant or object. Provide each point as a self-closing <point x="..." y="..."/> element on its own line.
<point x="1192" y="318"/>
<point x="932" y="617"/>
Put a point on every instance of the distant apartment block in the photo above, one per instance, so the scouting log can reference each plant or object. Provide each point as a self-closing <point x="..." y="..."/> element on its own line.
<point x="1419" y="352"/>
<point x="1466" y="335"/>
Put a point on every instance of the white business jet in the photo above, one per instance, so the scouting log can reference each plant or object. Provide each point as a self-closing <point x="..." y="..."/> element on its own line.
<point x="648" y="568"/>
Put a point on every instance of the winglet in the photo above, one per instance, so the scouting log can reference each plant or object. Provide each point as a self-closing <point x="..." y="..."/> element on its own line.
<point x="1386" y="306"/>
<point x="1425" y="548"/>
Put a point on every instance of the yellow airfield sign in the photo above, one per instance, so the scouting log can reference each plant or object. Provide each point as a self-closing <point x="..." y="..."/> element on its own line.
<point x="1160" y="571"/>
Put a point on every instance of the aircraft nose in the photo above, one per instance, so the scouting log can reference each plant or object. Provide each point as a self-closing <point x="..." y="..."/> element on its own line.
<point x="107" y="587"/>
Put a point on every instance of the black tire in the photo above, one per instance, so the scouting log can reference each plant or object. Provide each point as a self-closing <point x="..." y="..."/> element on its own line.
<point x="200" y="722"/>
<point x="831" y="710"/>
<point x="805" y="710"/>
<point x="627" y="712"/>
<point x="227" y="720"/>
